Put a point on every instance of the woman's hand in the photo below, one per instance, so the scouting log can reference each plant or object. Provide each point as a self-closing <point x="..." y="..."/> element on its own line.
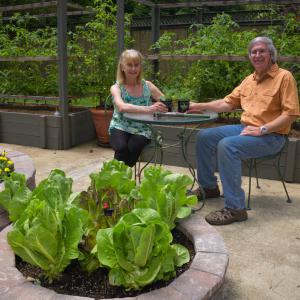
<point x="158" y="107"/>
<point x="251" y="130"/>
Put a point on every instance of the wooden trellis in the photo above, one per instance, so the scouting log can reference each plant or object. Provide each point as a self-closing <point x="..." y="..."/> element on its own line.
<point x="62" y="10"/>
<point x="155" y="26"/>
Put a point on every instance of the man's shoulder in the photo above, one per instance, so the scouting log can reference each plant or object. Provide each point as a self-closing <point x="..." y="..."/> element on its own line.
<point x="284" y="72"/>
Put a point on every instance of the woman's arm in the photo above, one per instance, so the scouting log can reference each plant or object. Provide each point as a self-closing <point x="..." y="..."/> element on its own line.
<point x="128" y="107"/>
<point x="156" y="93"/>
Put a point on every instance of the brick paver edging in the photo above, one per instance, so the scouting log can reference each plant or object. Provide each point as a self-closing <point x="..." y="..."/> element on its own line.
<point x="203" y="280"/>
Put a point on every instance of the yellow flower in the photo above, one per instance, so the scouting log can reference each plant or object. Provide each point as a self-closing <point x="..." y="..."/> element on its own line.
<point x="7" y="169"/>
<point x="4" y="153"/>
<point x="3" y="158"/>
<point x="10" y="162"/>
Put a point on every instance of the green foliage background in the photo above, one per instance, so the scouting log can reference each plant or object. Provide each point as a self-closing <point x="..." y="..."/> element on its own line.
<point x="215" y="79"/>
<point x="92" y="49"/>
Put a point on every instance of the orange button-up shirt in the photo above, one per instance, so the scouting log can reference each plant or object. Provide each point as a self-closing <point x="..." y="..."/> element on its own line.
<point x="264" y="99"/>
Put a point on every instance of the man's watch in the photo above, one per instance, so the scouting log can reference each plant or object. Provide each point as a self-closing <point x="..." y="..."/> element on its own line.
<point x="263" y="130"/>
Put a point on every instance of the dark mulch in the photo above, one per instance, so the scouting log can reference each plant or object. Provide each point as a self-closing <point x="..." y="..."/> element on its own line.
<point x="75" y="282"/>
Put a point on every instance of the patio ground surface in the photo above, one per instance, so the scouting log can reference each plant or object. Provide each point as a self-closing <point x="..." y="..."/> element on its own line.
<point x="264" y="251"/>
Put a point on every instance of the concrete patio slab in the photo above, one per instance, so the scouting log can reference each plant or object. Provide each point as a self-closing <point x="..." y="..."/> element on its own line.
<point x="264" y="250"/>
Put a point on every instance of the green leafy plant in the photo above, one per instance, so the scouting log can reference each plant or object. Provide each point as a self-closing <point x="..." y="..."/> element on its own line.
<point x="48" y="232"/>
<point x="92" y="51"/>
<point x="165" y="192"/>
<point x="214" y="79"/>
<point x="113" y="224"/>
<point x="138" y="250"/>
<point x="106" y="200"/>
<point x="6" y="165"/>
<point x="16" y="196"/>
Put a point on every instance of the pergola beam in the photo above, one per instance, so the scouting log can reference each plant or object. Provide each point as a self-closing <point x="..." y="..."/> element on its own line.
<point x="28" y="6"/>
<point x="193" y="57"/>
<point x="146" y="2"/>
<point x="214" y="3"/>
<point x="32" y="6"/>
<point x="224" y="3"/>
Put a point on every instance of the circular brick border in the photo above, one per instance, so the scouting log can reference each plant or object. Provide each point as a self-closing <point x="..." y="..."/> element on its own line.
<point x="203" y="280"/>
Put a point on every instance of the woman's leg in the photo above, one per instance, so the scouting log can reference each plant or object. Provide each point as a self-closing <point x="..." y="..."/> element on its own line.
<point x="136" y="144"/>
<point x="127" y="146"/>
<point x="119" y="143"/>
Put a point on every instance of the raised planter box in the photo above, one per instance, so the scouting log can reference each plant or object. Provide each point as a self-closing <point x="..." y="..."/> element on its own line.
<point x="290" y="160"/>
<point x="44" y="130"/>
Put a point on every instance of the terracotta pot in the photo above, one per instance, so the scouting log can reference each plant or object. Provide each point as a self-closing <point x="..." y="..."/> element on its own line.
<point x="101" y="119"/>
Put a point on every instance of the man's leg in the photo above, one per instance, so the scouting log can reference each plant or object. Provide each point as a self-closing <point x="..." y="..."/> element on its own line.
<point x="231" y="151"/>
<point x="206" y="151"/>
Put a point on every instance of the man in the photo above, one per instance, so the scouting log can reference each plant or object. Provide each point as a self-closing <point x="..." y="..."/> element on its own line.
<point x="269" y="99"/>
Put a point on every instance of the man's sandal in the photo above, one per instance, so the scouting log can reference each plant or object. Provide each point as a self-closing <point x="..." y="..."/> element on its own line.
<point x="226" y="216"/>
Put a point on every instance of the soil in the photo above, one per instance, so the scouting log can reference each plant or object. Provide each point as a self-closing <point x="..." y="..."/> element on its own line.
<point x="75" y="282"/>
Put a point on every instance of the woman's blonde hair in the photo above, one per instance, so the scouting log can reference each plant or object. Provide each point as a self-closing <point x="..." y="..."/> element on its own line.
<point x="129" y="56"/>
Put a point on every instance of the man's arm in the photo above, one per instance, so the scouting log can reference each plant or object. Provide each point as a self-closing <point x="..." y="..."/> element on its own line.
<point x="272" y="126"/>
<point x="217" y="106"/>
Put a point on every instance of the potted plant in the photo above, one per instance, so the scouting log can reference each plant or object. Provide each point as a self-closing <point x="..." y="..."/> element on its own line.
<point x="180" y="98"/>
<point x="102" y="115"/>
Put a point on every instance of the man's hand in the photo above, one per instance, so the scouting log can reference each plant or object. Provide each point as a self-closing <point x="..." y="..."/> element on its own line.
<point x="251" y="130"/>
<point x="196" y="108"/>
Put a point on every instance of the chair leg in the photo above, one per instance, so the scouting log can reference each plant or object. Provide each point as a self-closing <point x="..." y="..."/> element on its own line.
<point x="282" y="180"/>
<point x="249" y="191"/>
<point x="255" y="168"/>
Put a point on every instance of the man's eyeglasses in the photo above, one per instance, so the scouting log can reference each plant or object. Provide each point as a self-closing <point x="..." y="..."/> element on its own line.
<point x="258" y="52"/>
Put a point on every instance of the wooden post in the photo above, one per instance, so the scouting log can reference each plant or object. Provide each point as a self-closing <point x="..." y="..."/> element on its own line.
<point x="120" y="26"/>
<point x="62" y="71"/>
<point x="155" y="33"/>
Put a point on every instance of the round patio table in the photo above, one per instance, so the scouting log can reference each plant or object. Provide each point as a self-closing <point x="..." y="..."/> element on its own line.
<point x="173" y="119"/>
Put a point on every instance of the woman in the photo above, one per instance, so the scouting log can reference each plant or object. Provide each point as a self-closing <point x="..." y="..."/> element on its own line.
<point x="132" y="94"/>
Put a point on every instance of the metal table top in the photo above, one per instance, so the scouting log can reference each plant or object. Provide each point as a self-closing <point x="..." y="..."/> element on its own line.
<point x="172" y="118"/>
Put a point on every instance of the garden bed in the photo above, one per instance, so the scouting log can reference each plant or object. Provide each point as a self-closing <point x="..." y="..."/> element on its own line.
<point x="76" y="282"/>
<point x="39" y="126"/>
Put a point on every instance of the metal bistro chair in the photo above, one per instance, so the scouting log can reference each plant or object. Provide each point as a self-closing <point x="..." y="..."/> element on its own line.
<point x="157" y="155"/>
<point x="252" y="162"/>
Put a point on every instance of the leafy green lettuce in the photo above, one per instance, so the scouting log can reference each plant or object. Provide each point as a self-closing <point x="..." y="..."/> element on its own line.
<point x="138" y="250"/>
<point x="48" y="232"/>
<point x="166" y="193"/>
<point x="106" y="200"/>
<point x="15" y="196"/>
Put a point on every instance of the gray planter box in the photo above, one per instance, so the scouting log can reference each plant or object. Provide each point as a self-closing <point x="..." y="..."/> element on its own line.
<point x="290" y="160"/>
<point x="43" y="130"/>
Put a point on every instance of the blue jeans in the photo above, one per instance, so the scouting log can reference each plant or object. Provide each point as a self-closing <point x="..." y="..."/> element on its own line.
<point x="224" y="147"/>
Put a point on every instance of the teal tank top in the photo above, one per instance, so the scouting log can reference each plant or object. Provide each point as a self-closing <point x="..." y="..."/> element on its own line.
<point x="119" y="122"/>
